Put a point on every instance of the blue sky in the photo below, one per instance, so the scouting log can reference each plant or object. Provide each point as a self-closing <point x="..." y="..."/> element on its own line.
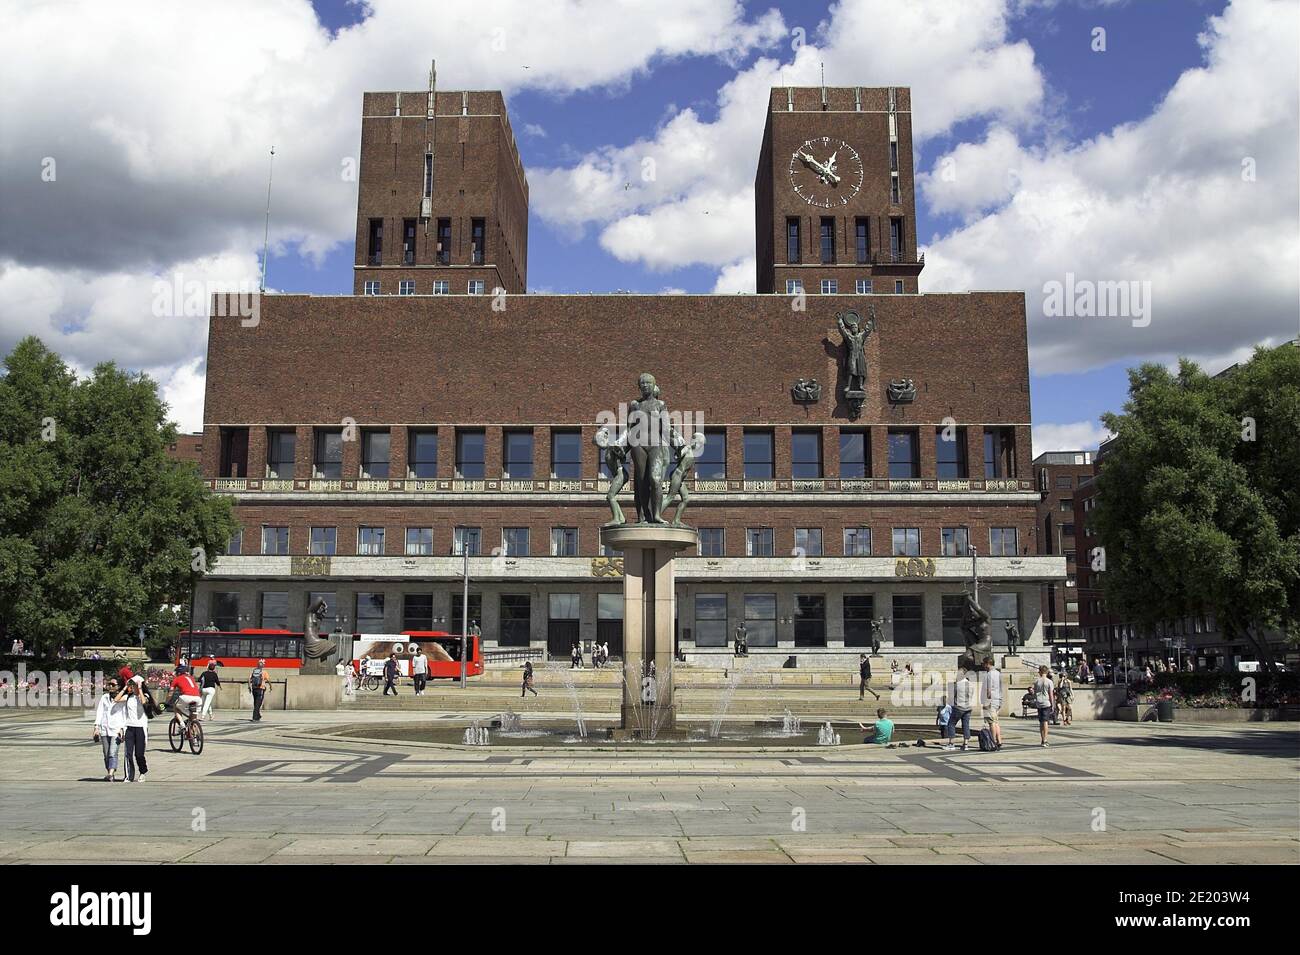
<point x="1149" y="44"/>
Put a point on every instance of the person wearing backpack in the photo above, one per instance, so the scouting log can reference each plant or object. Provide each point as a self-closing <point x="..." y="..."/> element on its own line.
<point x="258" y="684"/>
<point x="1044" y="700"/>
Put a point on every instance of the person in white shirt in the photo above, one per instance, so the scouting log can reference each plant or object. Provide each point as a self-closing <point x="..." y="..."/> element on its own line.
<point x="963" y="701"/>
<point x="991" y="700"/>
<point x="110" y="727"/>
<point x="419" y="671"/>
<point x="136" y="734"/>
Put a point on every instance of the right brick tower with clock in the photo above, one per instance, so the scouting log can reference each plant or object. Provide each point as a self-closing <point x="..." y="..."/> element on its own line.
<point x="834" y="194"/>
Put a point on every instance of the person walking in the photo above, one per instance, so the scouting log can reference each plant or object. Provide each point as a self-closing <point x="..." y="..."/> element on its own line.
<point x="528" y="680"/>
<point x="110" y="726"/>
<point x="135" y="733"/>
<point x="390" y="674"/>
<point x="1044" y="700"/>
<point x="419" y="671"/>
<point x="1083" y="671"/>
<point x="209" y="680"/>
<point x="963" y="701"/>
<point x="1064" y="699"/>
<point x="258" y="684"/>
<point x="864" y="678"/>
<point x="1099" y="672"/>
<point x="991" y="700"/>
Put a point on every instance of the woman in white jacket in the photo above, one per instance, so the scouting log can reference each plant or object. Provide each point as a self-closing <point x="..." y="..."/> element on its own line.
<point x="110" y="727"/>
<point x="137" y="728"/>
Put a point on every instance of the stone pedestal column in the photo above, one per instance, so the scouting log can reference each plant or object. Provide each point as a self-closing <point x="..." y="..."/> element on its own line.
<point x="649" y="598"/>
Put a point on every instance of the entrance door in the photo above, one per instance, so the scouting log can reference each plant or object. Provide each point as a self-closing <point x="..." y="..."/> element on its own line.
<point x="561" y="635"/>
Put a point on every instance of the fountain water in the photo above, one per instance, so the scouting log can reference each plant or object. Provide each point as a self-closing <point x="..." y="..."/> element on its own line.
<point x="715" y="727"/>
<point x="510" y="722"/>
<point x="790" y="725"/>
<point x="648" y="717"/>
<point x="566" y="675"/>
<point x="476" y="734"/>
<point x="826" y="736"/>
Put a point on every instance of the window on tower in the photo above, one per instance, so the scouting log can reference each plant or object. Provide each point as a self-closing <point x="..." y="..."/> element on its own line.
<point x="896" y="238"/>
<point x="444" y="241"/>
<point x="478" y="236"/>
<point x="860" y="239"/>
<point x="793" y="254"/>
<point x="375" y="248"/>
<point x="828" y="240"/>
<point x="408" y="241"/>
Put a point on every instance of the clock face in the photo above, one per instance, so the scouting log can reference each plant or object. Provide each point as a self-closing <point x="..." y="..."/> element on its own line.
<point x="826" y="172"/>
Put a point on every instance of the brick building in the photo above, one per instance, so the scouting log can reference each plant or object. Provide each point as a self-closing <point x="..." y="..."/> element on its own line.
<point x="437" y="419"/>
<point x="187" y="447"/>
<point x="1060" y="476"/>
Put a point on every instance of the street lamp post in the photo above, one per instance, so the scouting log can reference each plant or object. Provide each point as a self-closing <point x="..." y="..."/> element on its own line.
<point x="464" y="616"/>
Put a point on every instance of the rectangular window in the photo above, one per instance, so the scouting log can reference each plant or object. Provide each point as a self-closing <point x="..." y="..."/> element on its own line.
<point x="444" y="242"/>
<point x="422" y="454"/>
<point x="828" y="240"/>
<point x="810" y="620"/>
<point x="470" y="446"/>
<point x="475" y="287"/>
<point x="516" y="613"/>
<point x="514" y="541"/>
<point x="710" y="620"/>
<point x="909" y="621"/>
<point x="441" y="287"/>
<point x="712" y="542"/>
<point x="896" y="238"/>
<point x="793" y="250"/>
<point x="861" y="245"/>
<point x="417" y="611"/>
<point x="280" y="447"/>
<point x="275" y="610"/>
<point x="955" y="541"/>
<point x="467" y="538"/>
<point x="1067" y="504"/>
<point x="428" y="174"/>
<point x="328" y="460"/>
<point x="564" y="542"/>
<point x="1002" y="542"/>
<point x="893" y="157"/>
<point x="566" y="455"/>
<point x="808" y="541"/>
<point x="375" y="245"/>
<point x="759" y="460"/>
<point x="999" y="452"/>
<point x="806" y="454"/>
<point x="863" y="286"/>
<point x="898" y="287"/>
<point x="275" y="541"/>
<point x="563" y="606"/>
<point x="950" y="454"/>
<point x="857" y="542"/>
<point x="907" y="542"/>
<point x="793" y="286"/>
<point x="370" y="613"/>
<point x="408" y="244"/>
<point x="903" y="463"/>
<point x="760" y="620"/>
<point x="1004" y="609"/>
<point x="374" y="454"/>
<point x="419" y="541"/>
<point x="235" y="546"/>
<point x="859" y="611"/>
<point x="370" y="541"/>
<point x="760" y="542"/>
<point x="830" y="287"/>
<point x="369" y="288"/>
<point x="1067" y="530"/>
<point x="458" y="610"/>
<point x="323" y="541"/>
<point x="406" y="287"/>
<point x="711" y="464"/>
<point x="951" y="608"/>
<point x="1065" y="481"/>
<point x="518" y="455"/>
<point x="478" y="241"/>
<point x="895" y="194"/>
<point x="855" y="454"/>
<point x="225" y="612"/>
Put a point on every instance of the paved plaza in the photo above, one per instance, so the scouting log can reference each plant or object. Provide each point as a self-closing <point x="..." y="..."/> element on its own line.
<point x="281" y="792"/>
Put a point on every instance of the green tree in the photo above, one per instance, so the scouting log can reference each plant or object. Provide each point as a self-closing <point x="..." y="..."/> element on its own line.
<point x="1198" y="508"/>
<point x="99" y="528"/>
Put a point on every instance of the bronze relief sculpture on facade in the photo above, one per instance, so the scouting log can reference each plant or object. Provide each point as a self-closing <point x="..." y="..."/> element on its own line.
<point x="901" y="391"/>
<point x="806" y="390"/>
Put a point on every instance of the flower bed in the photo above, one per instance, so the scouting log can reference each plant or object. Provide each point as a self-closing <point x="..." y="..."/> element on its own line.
<point x="1219" y="689"/>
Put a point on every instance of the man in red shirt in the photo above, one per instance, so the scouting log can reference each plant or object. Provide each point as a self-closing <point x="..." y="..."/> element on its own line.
<point x="186" y="691"/>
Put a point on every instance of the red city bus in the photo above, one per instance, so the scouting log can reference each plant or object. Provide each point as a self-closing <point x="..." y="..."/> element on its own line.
<point x="242" y="648"/>
<point x="442" y="649"/>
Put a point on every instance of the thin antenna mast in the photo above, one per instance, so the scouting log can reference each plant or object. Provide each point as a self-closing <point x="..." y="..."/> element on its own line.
<point x="266" y="235"/>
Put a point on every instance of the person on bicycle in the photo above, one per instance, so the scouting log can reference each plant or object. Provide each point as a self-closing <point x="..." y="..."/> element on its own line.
<point x="184" y="692"/>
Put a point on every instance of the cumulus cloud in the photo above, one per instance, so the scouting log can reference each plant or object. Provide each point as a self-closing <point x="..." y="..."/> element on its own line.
<point x="1199" y="200"/>
<point x="1073" y="436"/>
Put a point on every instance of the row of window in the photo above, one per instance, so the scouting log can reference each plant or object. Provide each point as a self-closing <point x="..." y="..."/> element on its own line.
<point x="443" y="242"/>
<point x="903" y="622"/>
<point x="564" y="542"/>
<point x="828" y="246"/>
<point x="758" y="453"/>
<point x="407" y="287"/>
<point x="832" y="287"/>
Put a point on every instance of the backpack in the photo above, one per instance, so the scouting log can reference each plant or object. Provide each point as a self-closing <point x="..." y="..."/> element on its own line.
<point x="150" y="705"/>
<point x="986" y="741"/>
<point x="255" y="679"/>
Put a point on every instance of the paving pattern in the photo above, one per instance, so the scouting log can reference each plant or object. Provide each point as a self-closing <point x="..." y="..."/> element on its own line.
<point x="287" y="791"/>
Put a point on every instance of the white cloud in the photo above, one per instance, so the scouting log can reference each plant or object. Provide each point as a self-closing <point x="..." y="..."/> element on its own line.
<point x="1162" y="201"/>
<point x="736" y="277"/>
<point x="1074" y="436"/>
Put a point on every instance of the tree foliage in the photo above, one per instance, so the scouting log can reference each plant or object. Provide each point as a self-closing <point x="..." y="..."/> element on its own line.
<point x="1198" y="497"/>
<point x="98" y="525"/>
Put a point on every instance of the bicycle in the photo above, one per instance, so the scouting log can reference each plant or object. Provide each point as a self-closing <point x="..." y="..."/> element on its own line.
<point x="191" y="732"/>
<point x="370" y="682"/>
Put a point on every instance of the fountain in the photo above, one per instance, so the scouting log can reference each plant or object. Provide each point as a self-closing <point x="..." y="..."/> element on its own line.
<point x="510" y="722"/>
<point x="826" y="736"/>
<point x="566" y="675"/>
<point x="715" y="727"/>
<point x="476" y="734"/>
<point x="790" y="725"/>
